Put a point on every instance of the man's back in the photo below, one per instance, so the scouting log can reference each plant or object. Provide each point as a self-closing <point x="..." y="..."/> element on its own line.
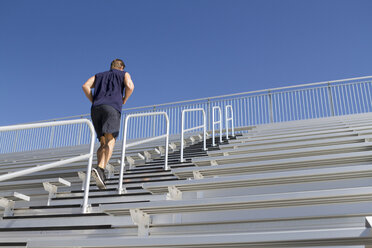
<point x="109" y="87"/>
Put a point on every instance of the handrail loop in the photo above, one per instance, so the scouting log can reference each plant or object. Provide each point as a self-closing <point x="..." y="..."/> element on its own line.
<point x="183" y="130"/>
<point x="227" y="119"/>
<point x="216" y="122"/>
<point x="122" y="190"/>
<point x="85" y="206"/>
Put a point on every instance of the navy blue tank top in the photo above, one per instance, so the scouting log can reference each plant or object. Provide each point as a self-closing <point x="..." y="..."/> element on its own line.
<point x="108" y="89"/>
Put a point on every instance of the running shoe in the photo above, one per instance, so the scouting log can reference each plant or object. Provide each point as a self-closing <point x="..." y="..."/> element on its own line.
<point x="99" y="175"/>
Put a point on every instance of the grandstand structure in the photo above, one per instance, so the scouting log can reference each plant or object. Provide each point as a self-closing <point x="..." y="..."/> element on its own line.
<point x="287" y="167"/>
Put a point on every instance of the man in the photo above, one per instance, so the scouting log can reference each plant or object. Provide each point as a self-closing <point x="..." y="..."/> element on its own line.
<point x="107" y="102"/>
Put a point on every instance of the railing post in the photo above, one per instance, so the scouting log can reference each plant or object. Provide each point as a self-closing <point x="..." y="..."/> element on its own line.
<point x="216" y="122"/>
<point x="121" y="189"/>
<point x="209" y="114"/>
<point x="331" y="100"/>
<point x="153" y="122"/>
<point x="227" y="119"/>
<point x="182" y="136"/>
<point x="89" y="169"/>
<point x="271" y="107"/>
<point x="183" y="130"/>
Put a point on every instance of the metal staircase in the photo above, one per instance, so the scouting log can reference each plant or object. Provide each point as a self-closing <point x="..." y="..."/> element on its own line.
<point x="295" y="184"/>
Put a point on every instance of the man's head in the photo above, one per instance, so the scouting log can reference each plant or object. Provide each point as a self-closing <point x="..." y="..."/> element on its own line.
<point x="117" y="64"/>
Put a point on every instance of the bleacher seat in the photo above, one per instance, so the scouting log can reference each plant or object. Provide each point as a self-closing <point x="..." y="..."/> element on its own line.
<point x="296" y="184"/>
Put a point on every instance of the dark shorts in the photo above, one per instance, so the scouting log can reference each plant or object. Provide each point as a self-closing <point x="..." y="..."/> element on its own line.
<point x="106" y="119"/>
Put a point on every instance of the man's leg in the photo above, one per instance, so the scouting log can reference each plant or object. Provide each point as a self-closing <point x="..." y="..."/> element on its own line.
<point x="99" y="173"/>
<point x="101" y="153"/>
<point x="109" y="147"/>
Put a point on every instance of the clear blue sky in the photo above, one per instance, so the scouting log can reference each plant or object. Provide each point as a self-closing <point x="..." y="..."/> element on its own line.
<point x="174" y="50"/>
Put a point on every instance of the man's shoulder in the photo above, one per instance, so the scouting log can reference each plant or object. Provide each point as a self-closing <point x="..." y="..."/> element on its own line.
<point x="102" y="73"/>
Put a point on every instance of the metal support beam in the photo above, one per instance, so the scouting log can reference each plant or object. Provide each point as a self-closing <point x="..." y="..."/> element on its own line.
<point x="174" y="193"/>
<point x="142" y="220"/>
<point x="8" y="206"/>
<point x="197" y="175"/>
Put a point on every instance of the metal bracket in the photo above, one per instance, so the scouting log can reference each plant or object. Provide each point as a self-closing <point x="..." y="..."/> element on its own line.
<point x="157" y="151"/>
<point x="147" y="156"/>
<point x="82" y="177"/>
<point x="8" y="206"/>
<point x="111" y="170"/>
<point x="52" y="189"/>
<point x="174" y="193"/>
<point x="142" y="220"/>
<point x="131" y="161"/>
<point x="192" y="139"/>
<point x="214" y="162"/>
<point x="141" y="156"/>
<point x="173" y="146"/>
<point x="162" y="150"/>
<point x="197" y="175"/>
<point x="8" y="202"/>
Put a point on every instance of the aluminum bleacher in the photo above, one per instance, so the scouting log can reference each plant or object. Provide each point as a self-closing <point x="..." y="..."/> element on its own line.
<point x="301" y="183"/>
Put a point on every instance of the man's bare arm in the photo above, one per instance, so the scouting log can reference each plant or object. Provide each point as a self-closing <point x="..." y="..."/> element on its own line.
<point x="129" y="87"/>
<point x="87" y="88"/>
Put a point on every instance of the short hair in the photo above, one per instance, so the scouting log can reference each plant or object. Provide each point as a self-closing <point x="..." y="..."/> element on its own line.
<point x="117" y="63"/>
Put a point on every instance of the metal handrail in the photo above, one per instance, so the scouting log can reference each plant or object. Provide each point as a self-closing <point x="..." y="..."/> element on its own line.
<point x="183" y="130"/>
<point x="121" y="190"/>
<point x="216" y="122"/>
<point x="85" y="206"/>
<point x="297" y="102"/>
<point x="227" y="119"/>
<point x="229" y="95"/>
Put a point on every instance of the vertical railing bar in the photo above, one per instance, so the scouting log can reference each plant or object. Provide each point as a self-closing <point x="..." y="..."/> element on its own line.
<point x="335" y="105"/>
<point x="342" y="106"/>
<point x="331" y="104"/>
<point x="368" y="85"/>
<point x="359" y="98"/>
<point x="343" y="97"/>
<point x="291" y="97"/>
<point x="313" y="104"/>
<point x="302" y="105"/>
<point x="322" y="102"/>
<point x="352" y="99"/>
<point x="363" y="94"/>
<point x="297" y="105"/>
<point x="282" y="107"/>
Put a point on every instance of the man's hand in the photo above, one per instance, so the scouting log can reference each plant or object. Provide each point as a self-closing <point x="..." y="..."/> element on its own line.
<point x="129" y="87"/>
<point x="87" y="88"/>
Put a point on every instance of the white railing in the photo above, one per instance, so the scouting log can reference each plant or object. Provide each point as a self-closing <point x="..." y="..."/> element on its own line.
<point x="216" y="122"/>
<point x="183" y="130"/>
<point x="89" y="156"/>
<point x="121" y="190"/>
<point x="297" y="102"/>
<point x="228" y="119"/>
